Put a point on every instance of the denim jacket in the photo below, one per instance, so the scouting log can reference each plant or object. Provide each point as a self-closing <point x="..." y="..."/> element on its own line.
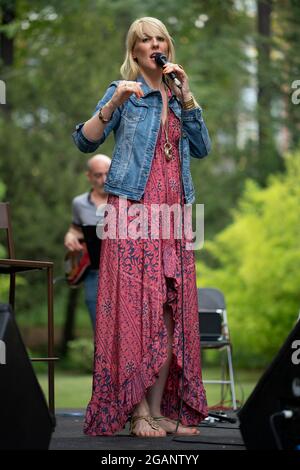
<point x="136" y="126"/>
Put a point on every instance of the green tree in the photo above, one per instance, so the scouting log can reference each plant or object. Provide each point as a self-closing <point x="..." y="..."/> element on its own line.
<point x="58" y="57"/>
<point x="257" y="265"/>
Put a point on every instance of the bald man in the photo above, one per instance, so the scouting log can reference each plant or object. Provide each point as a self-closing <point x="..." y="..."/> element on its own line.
<point x="84" y="208"/>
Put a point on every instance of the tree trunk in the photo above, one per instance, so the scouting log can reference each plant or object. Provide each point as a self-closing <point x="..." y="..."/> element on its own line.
<point x="268" y="158"/>
<point x="8" y="14"/>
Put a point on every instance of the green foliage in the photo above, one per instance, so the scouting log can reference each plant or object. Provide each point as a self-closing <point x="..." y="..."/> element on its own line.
<point x="2" y="190"/>
<point x="65" y="55"/>
<point x="258" y="259"/>
<point x="81" y="353"/>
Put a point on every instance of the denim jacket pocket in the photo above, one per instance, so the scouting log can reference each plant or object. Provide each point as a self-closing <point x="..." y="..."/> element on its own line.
<point x="134" y="113"/>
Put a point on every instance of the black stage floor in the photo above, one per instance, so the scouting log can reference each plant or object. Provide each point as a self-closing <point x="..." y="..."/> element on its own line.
<point x="68" y="435"/>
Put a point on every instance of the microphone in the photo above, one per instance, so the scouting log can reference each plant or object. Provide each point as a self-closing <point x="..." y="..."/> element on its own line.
<point x="161" y="60"/>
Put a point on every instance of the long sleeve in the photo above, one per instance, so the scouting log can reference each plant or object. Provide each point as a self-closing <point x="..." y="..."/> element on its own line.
<point x="86" y="145"/>
<point x="196" y="131"/>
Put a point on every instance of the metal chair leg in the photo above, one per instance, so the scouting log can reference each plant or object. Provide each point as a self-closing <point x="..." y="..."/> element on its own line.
<point x="231" y="377"/>
<point x="51" y="392"/>
<point x="223" y="376"/>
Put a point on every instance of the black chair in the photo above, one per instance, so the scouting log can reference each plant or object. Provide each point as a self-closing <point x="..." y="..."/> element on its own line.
<point x="214" y="334"/>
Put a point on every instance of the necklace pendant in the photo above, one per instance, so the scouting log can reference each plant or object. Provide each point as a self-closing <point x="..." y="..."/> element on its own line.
<point x="168" y="150"/>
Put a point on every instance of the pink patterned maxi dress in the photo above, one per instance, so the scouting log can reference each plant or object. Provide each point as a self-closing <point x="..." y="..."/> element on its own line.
<point x="136" y="278"/>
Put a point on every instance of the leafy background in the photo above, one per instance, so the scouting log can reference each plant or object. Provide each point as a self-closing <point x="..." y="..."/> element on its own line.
<point x="57" y="59"/>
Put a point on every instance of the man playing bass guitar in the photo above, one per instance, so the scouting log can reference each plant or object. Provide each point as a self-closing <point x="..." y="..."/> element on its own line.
<point x="84" y="208"/>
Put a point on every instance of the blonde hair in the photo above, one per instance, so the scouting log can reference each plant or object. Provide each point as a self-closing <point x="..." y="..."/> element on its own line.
<point x="130" y="68"/>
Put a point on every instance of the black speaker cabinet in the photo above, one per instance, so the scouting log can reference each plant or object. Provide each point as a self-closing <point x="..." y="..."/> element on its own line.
<point x="25" y="422"/>
<point x="277" y="390"/>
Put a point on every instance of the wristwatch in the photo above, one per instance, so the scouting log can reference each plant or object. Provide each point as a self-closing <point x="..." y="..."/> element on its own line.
<point x="101" y="118"/>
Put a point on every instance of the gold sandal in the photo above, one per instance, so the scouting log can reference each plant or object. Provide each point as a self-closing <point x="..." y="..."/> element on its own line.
<point x="173" y="421"/>
<point x="149" y="420"/>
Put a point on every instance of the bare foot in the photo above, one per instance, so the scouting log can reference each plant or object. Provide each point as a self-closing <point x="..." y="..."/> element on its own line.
<point x="145" y="426"/>
<point x="170" y="425"/>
